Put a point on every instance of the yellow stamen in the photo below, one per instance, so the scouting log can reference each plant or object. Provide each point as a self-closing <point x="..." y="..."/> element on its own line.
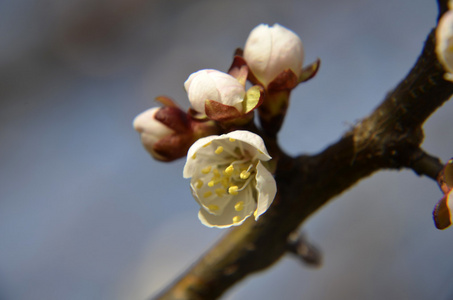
<point x="236" y="219"/>
<point x="207" y="144"/>
<point x="244" y="174"/>
<point x="199" y="184"/>
<point x="194" y="155"/>
<point x="206" y="170"/>
<point x="239" y="206"/>
<point x="213" y="207"/>
<point x="218" y="150"/>
<point x="220" y="192"/>
<point x="229" y="170"/>
<point x="232" y="140"/>
<point x="211" y="183"/>
<point x="207" y="194"/>
<point x="233" y="190"/>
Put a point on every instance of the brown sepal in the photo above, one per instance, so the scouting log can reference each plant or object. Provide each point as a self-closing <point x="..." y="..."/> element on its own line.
<point x="174" y="118"/>
<point x="239" y="61"/>
<point x="172" y="147"/>
<point x="441" y="214"/>
<point x="309" y="71"/>
<point x="166" y="101"/>
<point x="286" y="80"/>
<point x="219" y="112"/>
<point x="239" y="69"/>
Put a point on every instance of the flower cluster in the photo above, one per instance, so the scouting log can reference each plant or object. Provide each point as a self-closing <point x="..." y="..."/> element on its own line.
<point x="443" y="212"/>
<point x="227" y="163"/>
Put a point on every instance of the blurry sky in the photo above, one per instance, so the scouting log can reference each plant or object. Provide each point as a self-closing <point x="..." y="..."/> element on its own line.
<point x="86" y="214"/>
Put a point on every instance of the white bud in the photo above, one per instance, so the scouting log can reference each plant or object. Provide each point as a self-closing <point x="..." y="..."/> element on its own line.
<point x="269" y="51"/>
<point x="151" y="130"/>
<point x="214" y="85"/>
<point x="444" y="43"/>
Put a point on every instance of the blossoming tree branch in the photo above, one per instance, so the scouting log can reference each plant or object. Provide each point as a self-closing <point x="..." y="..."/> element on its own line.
<point x="241" y="178"/>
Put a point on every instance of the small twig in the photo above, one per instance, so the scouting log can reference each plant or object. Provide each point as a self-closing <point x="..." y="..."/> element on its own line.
<point x="304" y="250"/>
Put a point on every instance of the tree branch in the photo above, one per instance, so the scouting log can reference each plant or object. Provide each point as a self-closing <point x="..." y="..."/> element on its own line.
<point x="389" y="138"/>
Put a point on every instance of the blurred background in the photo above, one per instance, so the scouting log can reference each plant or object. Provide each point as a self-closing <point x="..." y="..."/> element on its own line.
<point x="86" y="214"/>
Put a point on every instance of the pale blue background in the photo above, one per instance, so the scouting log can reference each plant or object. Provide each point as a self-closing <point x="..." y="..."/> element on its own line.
<point x="86" y="214"/>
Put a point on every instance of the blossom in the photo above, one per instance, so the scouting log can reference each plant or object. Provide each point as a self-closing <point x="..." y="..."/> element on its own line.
<point x="444" y="43"/>
<point x="215" y="86"/>
<point x="228" y="178"/>
<point x="270" y="51"/>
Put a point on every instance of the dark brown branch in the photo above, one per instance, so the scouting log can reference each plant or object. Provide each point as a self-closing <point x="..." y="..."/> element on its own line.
<point x="387" y="139"/>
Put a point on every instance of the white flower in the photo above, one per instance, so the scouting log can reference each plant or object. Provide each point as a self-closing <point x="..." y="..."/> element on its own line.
<point x="269" y="51"/>
<point x="214" y="85"/>
<point x="444" y="43"/>
<point x="151" y="130"/>
<point x="228" y="180"/>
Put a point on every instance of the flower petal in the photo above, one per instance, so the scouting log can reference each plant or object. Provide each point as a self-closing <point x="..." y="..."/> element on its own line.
<point x="255" y="142"/>
<point x="194" y="164"/>
<point x="266" y="187"/>
<point x="200" y="86"/>
<point x="230" y="216"/>
<point x="208" y="198"/>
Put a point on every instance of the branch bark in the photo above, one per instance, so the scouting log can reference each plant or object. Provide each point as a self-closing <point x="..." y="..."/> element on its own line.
<point x="389" y="138"/>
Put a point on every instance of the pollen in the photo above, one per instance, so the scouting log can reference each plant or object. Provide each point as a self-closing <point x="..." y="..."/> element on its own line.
<point x="213" y="207"/>
<point x="207" y="144"/>
<point x="233" y="190"/>
<point x="211" y="183"/>
<point x="194" y="155"/>
<point x="220" y="192"/>
<point x="244" y="174"/>
<point x="206" y="170"/>
<point x="199" y="184"/>
<point x="236" y="219"/>
<point x="207" y="194"/>
<point x="232" y="140"/>
<point x="229" y="170"/>
<point x="239" y="206"/>
<point x="218" y="150"/>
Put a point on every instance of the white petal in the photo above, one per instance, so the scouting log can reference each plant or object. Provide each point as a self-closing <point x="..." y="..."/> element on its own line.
<point x="226" y="219"/>
<point x="231" y="91"/>
<point x="200" y="86"/>
<point x="444" y="40"/>
<point x="146" y="123"/>
<point x="194" y="164"/>
<point x="220" y="202"/>
<point x="254" y="140"/>
<point x="287" y="52"/>
<point x="258" y="49"/>
<point x="266" y="188"/>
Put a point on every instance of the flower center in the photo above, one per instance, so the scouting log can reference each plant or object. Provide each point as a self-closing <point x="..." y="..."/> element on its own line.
<point x="229" y="179"/>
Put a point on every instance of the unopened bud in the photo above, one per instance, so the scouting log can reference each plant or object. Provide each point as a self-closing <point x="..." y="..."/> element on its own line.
<point x="269" y="51"/>
<point x="215" y="86"/>
<point x="444" y="43"/>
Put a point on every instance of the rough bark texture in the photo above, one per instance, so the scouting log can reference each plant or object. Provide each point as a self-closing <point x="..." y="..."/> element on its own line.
<point x="389" y="138"/>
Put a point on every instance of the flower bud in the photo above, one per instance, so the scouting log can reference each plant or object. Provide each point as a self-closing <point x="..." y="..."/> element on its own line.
<point x="443" y="211"/>
<point x="444" y="43"/>
<point x="269" y="51"/>
<point x="151" y="130"/>
<point x="215" y="86"/>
